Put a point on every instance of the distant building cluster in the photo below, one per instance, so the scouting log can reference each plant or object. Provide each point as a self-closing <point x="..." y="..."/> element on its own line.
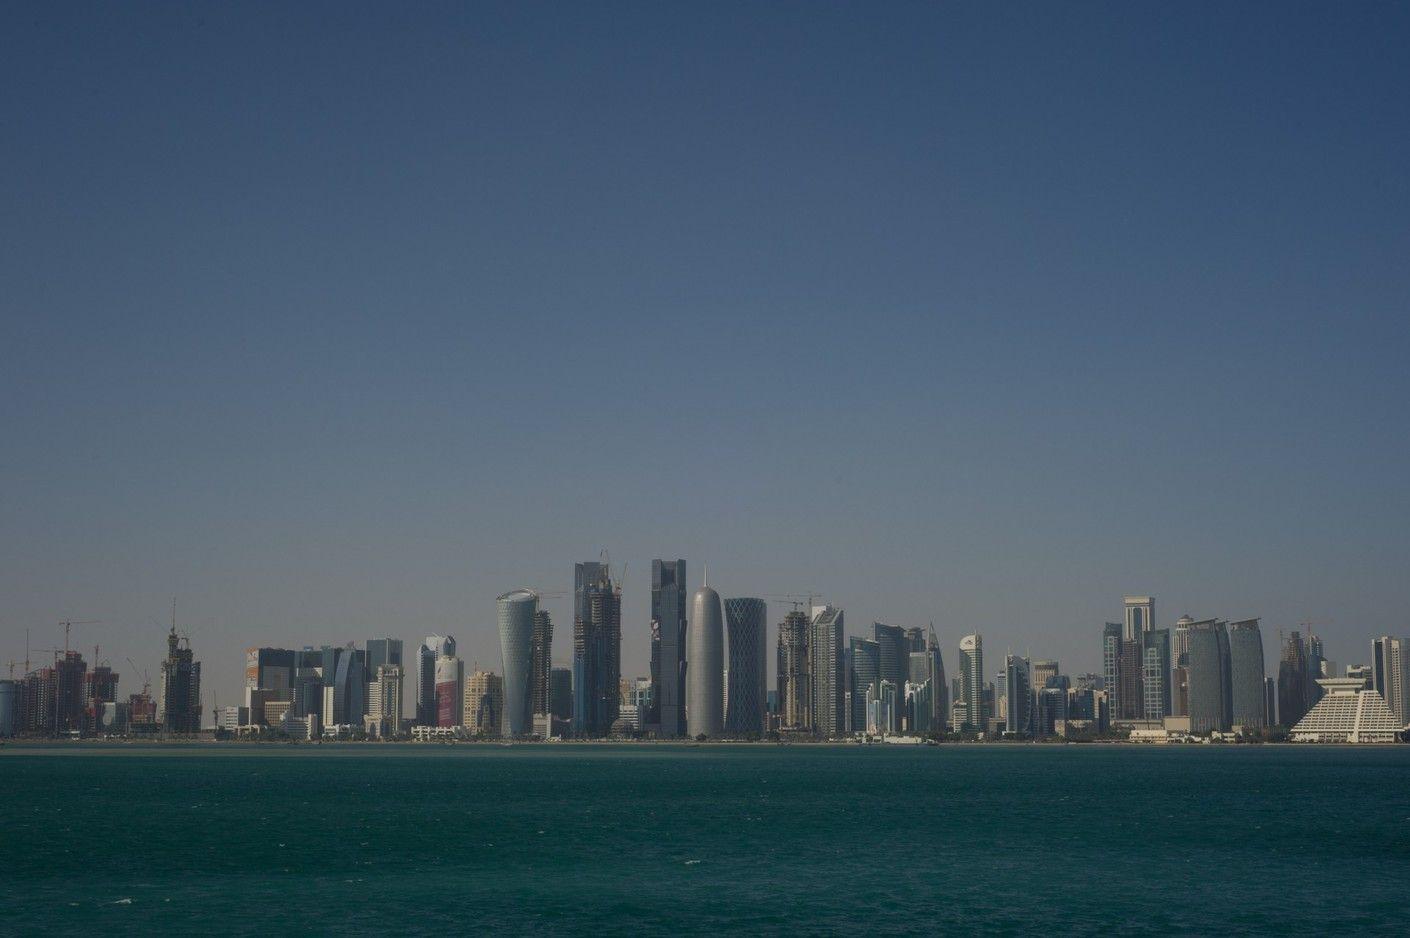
<point x="1202" y="680"/>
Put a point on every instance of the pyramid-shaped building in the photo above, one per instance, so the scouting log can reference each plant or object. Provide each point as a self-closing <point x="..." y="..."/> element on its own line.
<point x="1348" y="712"/>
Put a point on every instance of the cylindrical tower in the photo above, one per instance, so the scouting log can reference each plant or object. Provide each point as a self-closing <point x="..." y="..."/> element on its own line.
<point x="705" y="665"/>
<point x="516" y="647"/>
<point x="747" y="619"/>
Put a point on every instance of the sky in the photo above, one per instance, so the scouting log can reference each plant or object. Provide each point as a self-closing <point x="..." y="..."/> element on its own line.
<point x="335" y="321"/>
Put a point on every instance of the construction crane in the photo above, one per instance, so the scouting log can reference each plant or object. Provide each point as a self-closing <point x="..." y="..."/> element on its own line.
<point x="146" y="678"/>
<point x="798" y="600"/>
<point x="70" y="623"/>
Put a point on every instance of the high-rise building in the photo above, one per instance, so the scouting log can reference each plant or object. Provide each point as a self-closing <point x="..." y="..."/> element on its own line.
<point x="1390" y="674"/>
<point x="450" y="687"/>
<point x="704" y="682"/>
<point x="972" y="682"/>
<point x="380" y="651"/>
<point x="435" y="646"/>
<point x="560" y="693"/>
<point x="940" y="693"/>
<point x="1041" y="671"/>
<point x="1208" y="676"/>
<point x="484" y="703"/>
<point x="668" y="661"/>
<point x="179" y="701"/>
<point x="1018" y="691"/>
<point x="70" y="691"/>
<point x="1140" y="617"/>
<point x="515" y="611"/>
<point x="1111" y="663"/>
<point x="795" y="690"/>
<point x="540" y="664"/>
<point x="344" y="685"/>
<point x="597" y="649"/>
<point x="1155" y="674"/>
<point x="1294" y="680"/>
<point x="827" y="656"/>
<point x="1270" y="702"/>
<point x="895" y="654"/>
<point x="746" y="621"/>
<point x="1246" y="675"/>
<point x="864" y="669"/>
<point x="384" y="713"/>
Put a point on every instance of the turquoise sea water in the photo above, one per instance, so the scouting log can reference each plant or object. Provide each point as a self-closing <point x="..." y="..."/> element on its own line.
<point x="653" y="839"/>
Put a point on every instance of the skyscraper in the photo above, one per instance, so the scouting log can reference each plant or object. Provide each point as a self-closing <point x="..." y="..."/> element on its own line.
<point x="1246" y="674"/>
<point x="746" y="621"/>
<point x="1018" y="691"/>
<point x="1140" y="617"/>
<point x="1041" y="671"/>
<point x="450" y="686"/>
<point x="515" y="611"/>
<point x="894" y="649"/>
<point x="795" y="692"/>
<point x="827" y="656"/>
<point x="1208" y="676"/>
<point x="540" y="663"/>
<point x="1390" y="675"/>
<point x="668" y="664"/>
<point x="435" y="646"/>
<point x="484" y="703"/>
<point x="1294" y="680"/>
<point x="705" y="640"/>
<point x="940" y="690"/>
<point x="1155" y="674"/>
<point x="179" y="701"/>
<point x="1111" y="663"/>
<point x="972" y="681"/>
<point x="560" y="693"/>
<point x="597" y="649"/>
<point x="864" y="664"/>
<point x="384" y="701"/>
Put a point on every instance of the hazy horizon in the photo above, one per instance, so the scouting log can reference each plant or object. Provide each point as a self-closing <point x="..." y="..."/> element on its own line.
<point x="338" y="321"/>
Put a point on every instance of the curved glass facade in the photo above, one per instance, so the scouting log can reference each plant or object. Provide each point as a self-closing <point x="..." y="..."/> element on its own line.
<point x="516" y="645"/>
<point x="1246" y="674"/>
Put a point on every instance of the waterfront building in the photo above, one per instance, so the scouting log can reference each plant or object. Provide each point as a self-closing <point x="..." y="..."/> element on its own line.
<point x="826" y="647"/>
<point x="515" y="612"/>
<point x="179" y="698"/>
<point x="269" y="669"/>
<point x="746" y="622"/>
<point x="1366" y="674"/>
<point x="972" y="682"/>
<point x="1052" y="706"/>
<point x="1155" y="674"/>
<point x="1347" y="713"/>
<point x="940" y="687"/>
<point x="1129" y="689"/>
<point x="384" y="702"/>
<point x="344" y="685"/>
<point x="1180" y="667"/>
<point x="9" y="707"/>
<point x="1294" y="680"/>
<point x="1018" y="692"/>
<point x="920" y="707"/>
<point x="881" y="709"/>
<point x="1246" y="675"/>
<point x="597" y="649"/>
<point x="450" y="688"/>
<point x="70" y="678"/>
<point x="1390" y="674"/>
<point x="795" y="691"/>
<point x="560" y="694"/>
<point x="435" y="646"/>
<point x="894" y="650"/>
<point x="540" y="663"/>
<point x="705" y="653"/>
<point x="484" y="704"/>
<point x="864" y="669"/>
<point x="1111" y="661"/>
<point x="1208" y="670"/>
<point x="668" y="651"/>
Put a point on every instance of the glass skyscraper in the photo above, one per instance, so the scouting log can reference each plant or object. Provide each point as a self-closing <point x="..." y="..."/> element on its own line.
<point x="668" y="664"/>
<point x="746" y="624"/>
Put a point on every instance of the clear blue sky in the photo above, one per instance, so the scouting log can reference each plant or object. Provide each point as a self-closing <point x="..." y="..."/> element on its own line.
<point x="338" y="321"/>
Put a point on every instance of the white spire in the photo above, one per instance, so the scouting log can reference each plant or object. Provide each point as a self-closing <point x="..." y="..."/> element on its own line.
<point x="706" y="584"/>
